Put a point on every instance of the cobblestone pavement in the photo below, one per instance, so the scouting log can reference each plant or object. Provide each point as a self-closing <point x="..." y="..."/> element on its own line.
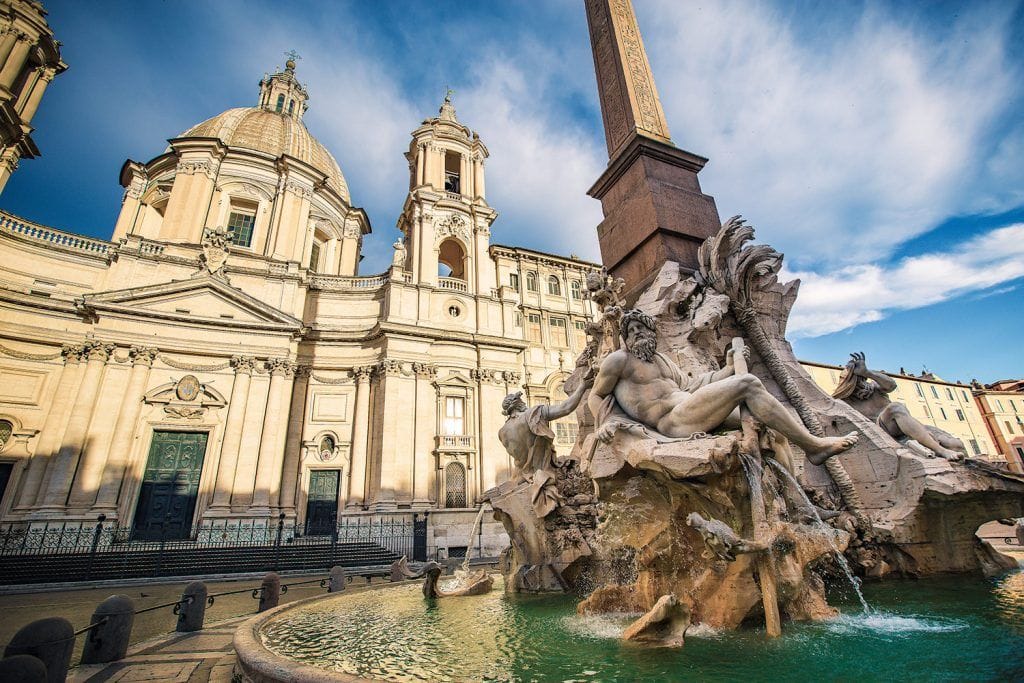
<point x="197" y="657"/>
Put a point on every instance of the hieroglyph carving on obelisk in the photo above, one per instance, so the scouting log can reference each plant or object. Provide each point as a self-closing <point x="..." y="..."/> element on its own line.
<point x="629" y="98"/>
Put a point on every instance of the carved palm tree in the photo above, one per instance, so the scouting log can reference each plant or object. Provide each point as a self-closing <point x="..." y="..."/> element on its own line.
<point x="740" y="272"/>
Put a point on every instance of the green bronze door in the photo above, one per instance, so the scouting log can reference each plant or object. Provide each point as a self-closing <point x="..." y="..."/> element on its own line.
<point x="322" y="505"/>
<point x="170" y="486"/>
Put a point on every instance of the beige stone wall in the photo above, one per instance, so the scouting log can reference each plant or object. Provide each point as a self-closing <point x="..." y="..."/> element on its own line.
<point x="946" y="405"/>
<point x="1003" y="412"/>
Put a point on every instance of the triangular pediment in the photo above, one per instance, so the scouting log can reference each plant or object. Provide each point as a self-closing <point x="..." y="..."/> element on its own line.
<point x="205" y="300"/>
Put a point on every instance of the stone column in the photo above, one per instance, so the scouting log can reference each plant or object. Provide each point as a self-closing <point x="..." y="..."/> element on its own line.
<point x="360" y="429"/>
<point x="420" y="161"/>
<point x="425" y="435"/>
<point x="270" y="458"/>
<point x="41" y="464"/>
<point x="124" y="430"/>
<point x="32" y="104"/>
<point x="15" y="60"/>
<point x="391" y="482"/>
<point x="293" y="440"/>
<point x="244" y="367"/>
<point x="98" y="353"/>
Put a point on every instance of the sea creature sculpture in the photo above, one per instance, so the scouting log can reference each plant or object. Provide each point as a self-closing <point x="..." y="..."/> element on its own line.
<point x="721" y="541"/>
<point x="474" y="583"/>
<point x="665" y="624"/>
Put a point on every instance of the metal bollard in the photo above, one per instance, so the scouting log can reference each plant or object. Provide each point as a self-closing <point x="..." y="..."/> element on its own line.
<point x="192" y="608"/>
<point x="50" y="640"/>
<point x="22" y="668"/>
<point x="270" y="592"/>
<point x="337" y="582"/>
<point x="108" y="642"/>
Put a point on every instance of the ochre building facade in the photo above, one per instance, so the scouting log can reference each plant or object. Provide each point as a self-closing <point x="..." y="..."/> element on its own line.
<point x="220" y="357"/>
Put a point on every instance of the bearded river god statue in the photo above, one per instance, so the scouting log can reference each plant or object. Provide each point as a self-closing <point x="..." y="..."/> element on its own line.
<point x="648" y="388"/>
<point x="867" y="392"/>
<point x="713" y="474"/>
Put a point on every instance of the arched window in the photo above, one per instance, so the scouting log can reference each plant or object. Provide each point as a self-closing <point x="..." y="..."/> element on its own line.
<point x="280" y="104"/>
<point x="451" y="260"/>
<point x="577" y="289"/>
<point x="291" y="106"/>
<point x="531" y="281"/>
<point x="554" y="285"/>
<point x="6" y="429"/>
<point x="326" y="448"/>
<point x="454" y="485"/>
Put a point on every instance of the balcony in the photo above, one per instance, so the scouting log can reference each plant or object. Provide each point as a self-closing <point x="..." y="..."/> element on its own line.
<point x="460" y="444"/>
<point x="452" y="283"/>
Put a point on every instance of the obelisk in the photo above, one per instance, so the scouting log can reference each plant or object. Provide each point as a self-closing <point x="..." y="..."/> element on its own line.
<point x="654" y="210"/>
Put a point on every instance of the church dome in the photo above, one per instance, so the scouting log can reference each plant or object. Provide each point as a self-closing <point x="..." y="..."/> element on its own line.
<point x="274" y="133"/>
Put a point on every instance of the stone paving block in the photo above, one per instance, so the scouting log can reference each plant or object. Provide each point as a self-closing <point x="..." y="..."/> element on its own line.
<point x="170" y="672"/>
<point x="205" y="642"/>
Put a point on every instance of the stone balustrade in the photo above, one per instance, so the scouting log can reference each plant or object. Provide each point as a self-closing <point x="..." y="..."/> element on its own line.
<point x="334" y="283"/>
<point x="19" y="227"/>
<point x="456" y="443"/>
<point x="452" y="283"/>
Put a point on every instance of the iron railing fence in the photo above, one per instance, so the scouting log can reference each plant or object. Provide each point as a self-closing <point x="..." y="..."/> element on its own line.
<point x="67" y="552"/>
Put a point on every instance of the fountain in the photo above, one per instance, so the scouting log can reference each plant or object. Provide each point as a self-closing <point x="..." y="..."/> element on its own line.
<point x="713" y="491"/>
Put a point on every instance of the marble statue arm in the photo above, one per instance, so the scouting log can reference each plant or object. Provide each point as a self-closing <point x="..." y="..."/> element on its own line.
<point x="886" y="384"/>
<point x="559" y="410"/>
<point x="710" y="377"/>
<point x="607" y="378"/>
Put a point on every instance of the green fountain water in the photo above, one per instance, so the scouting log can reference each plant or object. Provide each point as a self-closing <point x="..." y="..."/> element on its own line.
<point x="948" y="629"/>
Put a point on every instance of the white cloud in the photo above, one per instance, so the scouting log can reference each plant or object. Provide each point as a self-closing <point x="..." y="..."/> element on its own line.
<point x="866" y="293"/>
<point x="841" y="140"/>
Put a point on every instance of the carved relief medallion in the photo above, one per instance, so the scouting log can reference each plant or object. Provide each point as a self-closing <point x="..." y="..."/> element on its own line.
<point x="187" y="388"/>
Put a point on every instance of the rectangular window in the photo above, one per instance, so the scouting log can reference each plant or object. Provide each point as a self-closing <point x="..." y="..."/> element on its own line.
<point x="943" y="414"/>
<point x="559" y="335"/>
<point x="964" y="392"/>
<point x="999" y="404"/>
<point x="533" y="328"/>
<point x="1009" y="427"/>
<point x="240" y="226"/>
<point x="960" y="415"/>
<point x="935" y="392"/>
<point x="974" y="447"/>
<point x="920" y="391"/>
<point x="581" y="333"/>
<point x="513" y="281"/>
<point x="314" y="257"/>
<point x="1013" y="405"/>
<point x="949" y="393"/>
<point x="454" y="410"/>
<point x="565" y="433"/>
<point x="517" y="319"/>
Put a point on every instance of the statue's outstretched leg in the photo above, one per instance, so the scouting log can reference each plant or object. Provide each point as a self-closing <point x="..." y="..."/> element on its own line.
<point x="708" y="407"/>
<point x="896" y="418"/>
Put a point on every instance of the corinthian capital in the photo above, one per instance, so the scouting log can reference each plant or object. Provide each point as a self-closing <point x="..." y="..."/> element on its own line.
<point x="243" y="364"/>
<point x="142" y="355"/>
<point x="73" y="353"/>
<point x="97" y="350"/>
<point x="281" y="367"/>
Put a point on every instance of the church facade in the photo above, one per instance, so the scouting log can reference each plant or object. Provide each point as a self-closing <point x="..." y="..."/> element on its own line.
<point x="221" y="357"/>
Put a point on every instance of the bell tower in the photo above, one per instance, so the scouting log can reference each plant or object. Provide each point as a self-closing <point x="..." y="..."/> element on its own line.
<point x="446" y="221"/>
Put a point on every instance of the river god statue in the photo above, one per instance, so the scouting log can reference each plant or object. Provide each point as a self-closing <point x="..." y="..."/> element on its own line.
<point x="649" y="388"/>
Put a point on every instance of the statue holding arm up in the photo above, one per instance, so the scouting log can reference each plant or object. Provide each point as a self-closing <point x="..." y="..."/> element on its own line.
<point x="867" y="392"/>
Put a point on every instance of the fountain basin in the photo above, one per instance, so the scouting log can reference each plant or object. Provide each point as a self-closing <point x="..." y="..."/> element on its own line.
<point x="950" y="628"/>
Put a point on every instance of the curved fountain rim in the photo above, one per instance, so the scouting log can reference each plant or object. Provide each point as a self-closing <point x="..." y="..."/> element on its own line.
<point x="262" y="665"/>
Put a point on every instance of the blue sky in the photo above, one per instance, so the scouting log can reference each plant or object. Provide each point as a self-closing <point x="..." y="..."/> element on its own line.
<point x="879" y="145"/>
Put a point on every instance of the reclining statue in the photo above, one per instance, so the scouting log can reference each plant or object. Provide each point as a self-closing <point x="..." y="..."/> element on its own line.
<point x="528" y="438"/>
<point x="650" y="389"/>
<point x="867" y="392"/>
